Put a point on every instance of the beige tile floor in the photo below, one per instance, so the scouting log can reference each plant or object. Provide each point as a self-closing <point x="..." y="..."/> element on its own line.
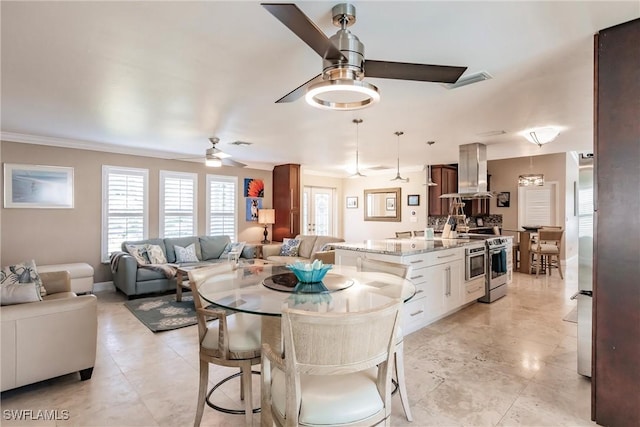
<point x="509" y="363"/>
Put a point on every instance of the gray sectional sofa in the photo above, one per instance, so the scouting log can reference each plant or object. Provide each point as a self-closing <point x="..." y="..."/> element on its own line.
<point x="133" y="279"/>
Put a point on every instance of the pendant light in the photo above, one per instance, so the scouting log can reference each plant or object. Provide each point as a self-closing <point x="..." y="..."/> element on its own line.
<point x="357" y="174"/>
<point x="398" y="177"/>
<point x="531" y="179"/>
<point x="427" y="167"/>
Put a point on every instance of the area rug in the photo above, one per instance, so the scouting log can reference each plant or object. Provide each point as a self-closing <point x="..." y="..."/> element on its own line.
<point x="164" y="313"/>
<point x="572" y="316"/>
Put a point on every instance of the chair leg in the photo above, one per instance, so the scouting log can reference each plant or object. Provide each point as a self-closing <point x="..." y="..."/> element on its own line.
<point x="538" y="261"/>
<point x="560" y="267"/>
<point x="202" y="391"/>
<point x="246" y="390"/>
<point x="241" y="385"/>
<point x="402" y="385"/>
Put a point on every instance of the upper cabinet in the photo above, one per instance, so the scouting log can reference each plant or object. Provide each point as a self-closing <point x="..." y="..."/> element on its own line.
<point x="447" y="179"/>
<point x="286" y="201"/>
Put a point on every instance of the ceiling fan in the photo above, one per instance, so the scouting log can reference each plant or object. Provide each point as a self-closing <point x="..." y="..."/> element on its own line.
<point x="214" y="157"/>
<point x="340" y="86"/>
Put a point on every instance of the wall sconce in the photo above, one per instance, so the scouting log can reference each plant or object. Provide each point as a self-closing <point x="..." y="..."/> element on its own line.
<point x="266" y="217"/>
<point x="541" y="136"/>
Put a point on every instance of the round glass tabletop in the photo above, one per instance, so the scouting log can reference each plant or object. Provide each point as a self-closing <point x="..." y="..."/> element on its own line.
<point x="243" y="290"/>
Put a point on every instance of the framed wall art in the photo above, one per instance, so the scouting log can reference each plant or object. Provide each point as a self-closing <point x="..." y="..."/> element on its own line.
<point x="35" y="186"/>
<point x="413" y="200"/>
<point x="253" y="187"/>
<point x="503" y="199"/>
<point x="253" y="206"/>
<point x="352" y="202"/>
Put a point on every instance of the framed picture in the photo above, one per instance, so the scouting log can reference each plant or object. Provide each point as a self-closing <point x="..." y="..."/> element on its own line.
<point x="352" y="202"/>
<point x="33" y="186"/>
<point x="253" y="206"/>
<point x="503" y="199"/>
<point x="391" y="204"/>
<point x="413" y="200"/>
<point x="480" y="222"/>
<point x="253" y="187"/>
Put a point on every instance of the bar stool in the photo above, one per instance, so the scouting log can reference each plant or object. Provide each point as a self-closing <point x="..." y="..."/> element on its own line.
<point x="547" y="250"/>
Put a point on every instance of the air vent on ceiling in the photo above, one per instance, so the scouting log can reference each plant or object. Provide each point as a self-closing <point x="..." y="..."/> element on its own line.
<point x="241" y="143"/>
<point x="470" y="79"/>
<point x="379" y="168"/>
<point x="492" y="133"/>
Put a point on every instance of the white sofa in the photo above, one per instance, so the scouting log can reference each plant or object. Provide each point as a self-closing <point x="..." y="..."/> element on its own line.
<point x="311" y="248"/>
<point x="49" y="338"/>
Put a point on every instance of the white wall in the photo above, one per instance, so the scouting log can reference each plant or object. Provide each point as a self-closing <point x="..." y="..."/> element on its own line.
<point x="356" y="229"/>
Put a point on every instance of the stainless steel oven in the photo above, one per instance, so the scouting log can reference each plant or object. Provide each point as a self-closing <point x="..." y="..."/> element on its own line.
<point x="496" y="278"/>
<point x="475" y="262"/>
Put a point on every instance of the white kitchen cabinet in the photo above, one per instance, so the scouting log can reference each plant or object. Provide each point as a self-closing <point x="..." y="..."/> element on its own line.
<point x="438" y="277"/>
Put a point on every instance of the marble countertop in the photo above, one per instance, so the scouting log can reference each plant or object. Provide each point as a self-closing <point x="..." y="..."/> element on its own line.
<point x="403" y="247"/>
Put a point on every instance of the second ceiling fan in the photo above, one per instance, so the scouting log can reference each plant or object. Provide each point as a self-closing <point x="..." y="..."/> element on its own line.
<point x="340" y="86"/>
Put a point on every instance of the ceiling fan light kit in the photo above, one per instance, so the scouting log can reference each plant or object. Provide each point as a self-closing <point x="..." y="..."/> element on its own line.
<point x="213" y="162"/>
<point x="541" y="136"/>
<point x="340" y="86"/>
<point x="342" y="95"/>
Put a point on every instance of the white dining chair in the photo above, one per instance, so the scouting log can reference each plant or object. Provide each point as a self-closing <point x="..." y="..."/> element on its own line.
<point x="336" y="369"/>
<point x="400" y="270"/>
<point x="229" y="340"/>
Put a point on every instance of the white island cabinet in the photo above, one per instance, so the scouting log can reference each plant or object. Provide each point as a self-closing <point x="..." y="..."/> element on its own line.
<point x="437" y="272"/>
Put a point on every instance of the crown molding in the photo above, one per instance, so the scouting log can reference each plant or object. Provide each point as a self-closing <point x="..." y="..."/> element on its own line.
<point x="111" y="148"/>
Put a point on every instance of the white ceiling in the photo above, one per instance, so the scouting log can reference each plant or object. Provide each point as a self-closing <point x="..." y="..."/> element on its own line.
<point x="165" y="76"/>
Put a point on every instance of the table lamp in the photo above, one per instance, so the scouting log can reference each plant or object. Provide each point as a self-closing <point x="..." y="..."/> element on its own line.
<point x="266" y="217"/>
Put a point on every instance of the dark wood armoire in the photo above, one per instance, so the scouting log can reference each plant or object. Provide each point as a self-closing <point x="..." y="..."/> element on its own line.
<point x="616" y="314"/>
<point x="286" y="201"/>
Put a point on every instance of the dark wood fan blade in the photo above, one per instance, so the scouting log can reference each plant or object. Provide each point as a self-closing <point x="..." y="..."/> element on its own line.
<point x="407" y="71"/>
<point x="303" y="27"/>
<point x="299" y="91"/>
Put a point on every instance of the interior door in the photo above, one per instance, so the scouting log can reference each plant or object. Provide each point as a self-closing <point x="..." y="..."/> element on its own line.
<point x="318" y="216"/>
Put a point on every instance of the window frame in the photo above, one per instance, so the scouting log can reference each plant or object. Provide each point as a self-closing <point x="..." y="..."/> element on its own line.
<point x="235" y="215"/>
<point x="106" y="171"/>
<point x="164" y="174"/>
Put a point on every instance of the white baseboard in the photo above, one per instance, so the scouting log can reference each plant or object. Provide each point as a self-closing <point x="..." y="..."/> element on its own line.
<point x="104" y="286"/>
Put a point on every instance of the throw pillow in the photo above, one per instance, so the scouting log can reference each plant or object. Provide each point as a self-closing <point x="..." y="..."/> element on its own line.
<point x="19" y="293"/>
<point x="289" y="247"/>
<point x="155" y="254"/>
<point x="232" y="247"/>
<point x="139" y="252"/>
<point x="24" y="272"/>
<point x="187" y="254"/>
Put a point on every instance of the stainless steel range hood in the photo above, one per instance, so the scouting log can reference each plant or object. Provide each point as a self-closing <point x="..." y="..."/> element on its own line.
<point x="472" y="173"/>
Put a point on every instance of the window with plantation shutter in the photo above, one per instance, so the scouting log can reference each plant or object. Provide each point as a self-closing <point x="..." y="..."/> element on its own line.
<point x="178" y="204"/>
<point x="125" y="207"/>
<point x="222" y="212"/>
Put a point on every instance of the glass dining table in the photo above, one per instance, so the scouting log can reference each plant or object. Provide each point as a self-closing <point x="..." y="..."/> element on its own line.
<point x="267" y="289"/>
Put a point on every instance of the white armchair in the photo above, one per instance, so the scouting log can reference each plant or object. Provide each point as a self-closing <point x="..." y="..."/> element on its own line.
<point x="49" y="338"/>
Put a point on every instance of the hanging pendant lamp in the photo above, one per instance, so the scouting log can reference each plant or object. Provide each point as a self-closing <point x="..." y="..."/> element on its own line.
<point x="357" y="174"/>
<point x="398" y="177"/>
<point x="427" y="167"/>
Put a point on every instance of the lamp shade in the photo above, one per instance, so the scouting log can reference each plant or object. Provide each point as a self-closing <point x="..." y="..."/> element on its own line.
<point x="267" y="216"/>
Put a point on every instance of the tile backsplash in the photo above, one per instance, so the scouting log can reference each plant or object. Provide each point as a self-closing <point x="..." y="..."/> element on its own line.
<point x="437" y="222"/>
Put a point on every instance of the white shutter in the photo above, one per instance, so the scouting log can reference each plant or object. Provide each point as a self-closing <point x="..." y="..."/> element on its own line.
<point x="221" y="206"/>
<point x="537" y="207"/>
<point x="178" y="205"/>
<point x="125" y="207"/>
<point x="585" y="211"/>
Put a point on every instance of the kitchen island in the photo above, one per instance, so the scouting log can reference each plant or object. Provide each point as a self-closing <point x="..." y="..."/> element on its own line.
<point x="437" y="269"/>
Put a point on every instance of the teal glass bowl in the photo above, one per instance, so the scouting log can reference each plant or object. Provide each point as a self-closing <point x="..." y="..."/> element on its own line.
<point x="310" y="276"/>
